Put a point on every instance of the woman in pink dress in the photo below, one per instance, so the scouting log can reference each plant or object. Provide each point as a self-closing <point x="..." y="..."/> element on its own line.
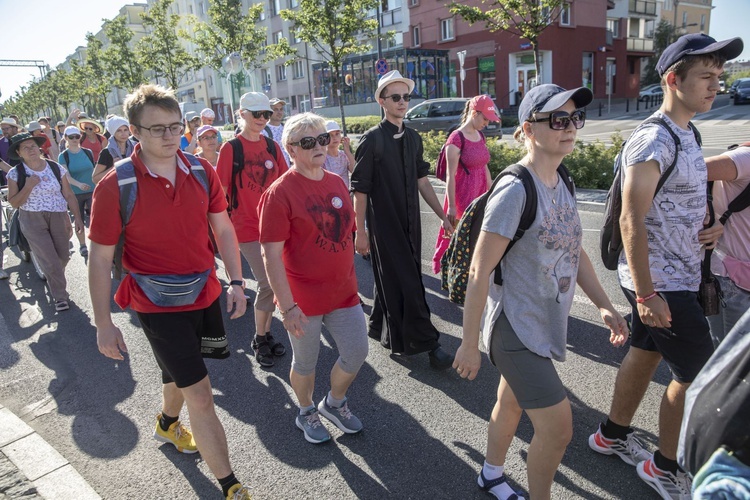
<point x="467" y="174"/>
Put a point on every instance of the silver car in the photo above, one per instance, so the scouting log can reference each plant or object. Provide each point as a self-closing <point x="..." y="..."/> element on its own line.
<point x="444" y="114"/>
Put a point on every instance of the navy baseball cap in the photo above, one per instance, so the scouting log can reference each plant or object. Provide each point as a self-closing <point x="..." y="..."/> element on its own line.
<point x="696" y="44"/>
<point x="549" y="97"/>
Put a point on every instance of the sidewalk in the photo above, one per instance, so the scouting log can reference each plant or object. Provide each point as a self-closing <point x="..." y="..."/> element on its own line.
<point x="29" y="467"/>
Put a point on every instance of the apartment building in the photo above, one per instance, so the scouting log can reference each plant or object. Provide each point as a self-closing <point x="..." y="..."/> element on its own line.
<point x="688" y="16"/>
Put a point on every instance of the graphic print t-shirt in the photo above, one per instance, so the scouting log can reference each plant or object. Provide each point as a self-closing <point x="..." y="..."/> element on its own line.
<point x="677" y="212"/>
<point x="540" y="271"/>
<point x="315" y="220"/>
<point x="260" y="171"/>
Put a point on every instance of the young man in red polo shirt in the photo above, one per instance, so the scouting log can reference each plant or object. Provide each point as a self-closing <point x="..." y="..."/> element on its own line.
<point x="167" y="238"/>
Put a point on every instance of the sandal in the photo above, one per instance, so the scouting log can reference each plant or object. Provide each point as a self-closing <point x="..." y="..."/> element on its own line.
<point x="277" y="348"/>
<point x="61" y="305"/>
<point x="487" y="485"/>
<point x="263" y="354"/>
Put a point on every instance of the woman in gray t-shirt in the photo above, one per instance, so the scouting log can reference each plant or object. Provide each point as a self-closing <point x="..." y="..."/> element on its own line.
<point x="525" y="326"/>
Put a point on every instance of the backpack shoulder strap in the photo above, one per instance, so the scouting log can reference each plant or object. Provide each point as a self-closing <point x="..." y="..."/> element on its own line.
<point x="238" y="162"/>
<point x="196" y="168"/>
<point x="89" y="154"/>
<point x="55" y="167"/>
<point x="271" y="147"/>
<point x="127" y="182"/>
<point x="66" y="155"/>
<point x="564" y="173"/>
<point x="678" y="146"/>
<point x="21" y="175"/>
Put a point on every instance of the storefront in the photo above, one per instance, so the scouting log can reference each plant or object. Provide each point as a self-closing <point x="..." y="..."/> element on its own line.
<point x="522" y="74"/>
<point x="429" y="69"/>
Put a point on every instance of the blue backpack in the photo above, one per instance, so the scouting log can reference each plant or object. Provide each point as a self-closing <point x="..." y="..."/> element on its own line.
<point x="128" y="184"/>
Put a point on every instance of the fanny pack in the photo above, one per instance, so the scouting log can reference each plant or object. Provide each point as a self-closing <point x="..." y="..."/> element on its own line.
<point x="172" y="290"/>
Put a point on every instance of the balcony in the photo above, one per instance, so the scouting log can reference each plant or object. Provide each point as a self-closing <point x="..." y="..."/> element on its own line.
<point x="640" y="45"/>
<point x="642" y="7"/>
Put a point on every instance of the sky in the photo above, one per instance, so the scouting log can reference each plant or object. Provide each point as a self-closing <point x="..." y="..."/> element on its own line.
<point x="50" y="30"/>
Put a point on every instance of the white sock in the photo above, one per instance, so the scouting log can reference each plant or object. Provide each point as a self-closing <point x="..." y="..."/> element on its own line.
<point x="304" y="409"/>
<point x="502" y="491"/>
<point x="333" y="402"/>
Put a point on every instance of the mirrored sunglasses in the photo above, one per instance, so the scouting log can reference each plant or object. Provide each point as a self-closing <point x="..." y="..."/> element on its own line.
<point x="309" y="142"/>
<point x="559" y="120"/>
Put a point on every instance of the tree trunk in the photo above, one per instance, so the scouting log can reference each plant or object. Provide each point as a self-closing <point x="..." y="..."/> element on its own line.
<point x="537" y="63"/>
<point x="339" y="95"/>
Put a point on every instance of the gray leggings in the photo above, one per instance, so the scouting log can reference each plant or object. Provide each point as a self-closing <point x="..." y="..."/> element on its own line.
<point x="349" y="331"/>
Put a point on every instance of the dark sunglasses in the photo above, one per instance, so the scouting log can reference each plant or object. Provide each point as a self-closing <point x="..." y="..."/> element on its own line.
<point x="74" y="137"/>
<point x="397" y="97"/>
<point x="559" y="120"/>
<point x="264" y="114"/>
<point x="88" y="129"/>
<point x="309" y="142"/>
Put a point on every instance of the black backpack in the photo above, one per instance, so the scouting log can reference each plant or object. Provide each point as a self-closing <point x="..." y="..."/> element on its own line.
<point x="456" y="261"/>
<point x="610" y="240"/>
<point x="238" y="163"/>
<point x="89" y="154"/>
<point x="53" y="165"/>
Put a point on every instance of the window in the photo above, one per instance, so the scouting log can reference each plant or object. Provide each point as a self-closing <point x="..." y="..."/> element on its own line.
<point x="262" y="13"/>
<point x="263" y="46"/>
<point x="446" y="29"/>
<point x="275" y="7"/>
<point x="201" y="8"/>
<point x="293" y="4"/>
<point x="210" y="81"/>
<point x="415" y="36"/>
<point x="190" y="8"/>
<point x="298" y="69"/>
<point x="413" y="3"/>
<point x="650" y="26"/>
<point x="546" y="14"/>
<point x="295" y="35"/>
<point x="613" y="25"/>
<point x="684" y="19"/>
<point x="703" y="22"/>
<point x="565" y="14"/>
<point x="280" y="73"/>
<point x="278" y="36"/>
<point x="265" y="77"/>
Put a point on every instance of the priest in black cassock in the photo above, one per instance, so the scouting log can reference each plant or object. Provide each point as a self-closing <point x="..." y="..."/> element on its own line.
<point x="388" y="178"/>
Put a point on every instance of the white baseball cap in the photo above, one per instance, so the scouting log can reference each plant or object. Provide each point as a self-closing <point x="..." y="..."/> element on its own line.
<point x="255" y="101"/>
<point x="332" y="126"/>
<point x="208" y="113"/>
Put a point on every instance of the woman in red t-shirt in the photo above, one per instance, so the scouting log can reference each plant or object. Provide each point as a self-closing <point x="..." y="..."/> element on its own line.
<point x="306" y="225"/>
<point x="260" y="168"/>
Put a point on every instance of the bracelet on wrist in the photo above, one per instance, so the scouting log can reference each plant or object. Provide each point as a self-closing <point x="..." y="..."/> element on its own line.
<point x="284" y="313"/>
<point x="641" y="300"/>
<point x="240" y="283"/>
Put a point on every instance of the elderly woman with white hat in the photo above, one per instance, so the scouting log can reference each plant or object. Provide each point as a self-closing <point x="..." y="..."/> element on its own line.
<point x="42" y="193"/>
<point x="120" y="146"/>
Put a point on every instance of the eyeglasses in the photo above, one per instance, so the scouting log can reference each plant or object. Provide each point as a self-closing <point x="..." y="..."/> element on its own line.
<point x="208" y="137"/>
<point x="88" y="129"/>
<point x="397" y="97"/>
<point x="309" y="142"/>
<point x="159" y="130"/>
<point x="74" y="137"/>
<point x="264" y="114"/>
<point x="559" y="120"/>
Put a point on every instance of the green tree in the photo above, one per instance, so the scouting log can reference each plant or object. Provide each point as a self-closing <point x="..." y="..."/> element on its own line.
<point x="120" y="58"/>
<point x="160" y="50"/>
<point x="95" y="81"/>
<point x="664" y="34"/>
<point x="231" y="29"/>
<point x="524" y="18"/>
<point x="336" y="29"/>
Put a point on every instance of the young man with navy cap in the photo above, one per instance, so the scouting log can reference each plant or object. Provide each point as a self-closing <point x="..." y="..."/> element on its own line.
<point x="660" y="267"/>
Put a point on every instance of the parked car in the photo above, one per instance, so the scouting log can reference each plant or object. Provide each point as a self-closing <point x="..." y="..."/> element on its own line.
<point x="650" y="92"/>
<point x="444" y="114"/>
<point x="722" y="87"/>
<point x="733" y="87"/>
<point x="742" y="92"/>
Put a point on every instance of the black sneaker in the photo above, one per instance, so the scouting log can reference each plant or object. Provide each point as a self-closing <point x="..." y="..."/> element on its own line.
<point x="440" y="360"/>
<point x="263" y="354"/>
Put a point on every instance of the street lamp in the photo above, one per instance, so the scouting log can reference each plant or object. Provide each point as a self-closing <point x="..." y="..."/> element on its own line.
<point x="462" y="74"/>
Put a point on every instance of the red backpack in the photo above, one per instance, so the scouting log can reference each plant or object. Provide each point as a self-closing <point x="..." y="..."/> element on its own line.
<point x="441" y="169"/>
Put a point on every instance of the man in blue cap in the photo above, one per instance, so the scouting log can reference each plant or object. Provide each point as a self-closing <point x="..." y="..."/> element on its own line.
<point x="660" y="267"/>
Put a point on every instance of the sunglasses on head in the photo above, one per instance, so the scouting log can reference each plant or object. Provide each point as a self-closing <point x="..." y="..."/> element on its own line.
<point x="398" y="97"/>
<point x="559" y="120"/>
<point x="74" y="137"/>
<point x="309" y="142"/>
<point x="264" y="114"/>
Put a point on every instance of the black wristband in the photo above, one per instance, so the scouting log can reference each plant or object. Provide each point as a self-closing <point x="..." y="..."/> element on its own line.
<point x="240" y="283"/>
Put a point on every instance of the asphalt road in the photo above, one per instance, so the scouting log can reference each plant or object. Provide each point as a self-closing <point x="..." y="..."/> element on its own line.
<point x="424" y="431"/>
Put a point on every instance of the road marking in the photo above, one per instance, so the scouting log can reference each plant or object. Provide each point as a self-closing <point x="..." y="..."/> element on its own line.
<point x="582" y="299"/>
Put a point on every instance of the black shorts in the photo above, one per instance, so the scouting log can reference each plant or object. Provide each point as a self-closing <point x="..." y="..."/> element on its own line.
<point x="175" y="339"/>
<point x="686" y="345"/>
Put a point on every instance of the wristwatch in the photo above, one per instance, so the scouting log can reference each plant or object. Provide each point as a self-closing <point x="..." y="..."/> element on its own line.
<point x="240" y="283"/>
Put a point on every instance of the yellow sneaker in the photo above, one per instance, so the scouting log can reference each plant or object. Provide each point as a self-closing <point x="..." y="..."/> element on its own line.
<point x="238" y="492"/>
<point x="178" y="435"/>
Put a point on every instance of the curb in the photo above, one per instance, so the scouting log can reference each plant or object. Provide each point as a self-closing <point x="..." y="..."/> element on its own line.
<point x="36" y="469"/>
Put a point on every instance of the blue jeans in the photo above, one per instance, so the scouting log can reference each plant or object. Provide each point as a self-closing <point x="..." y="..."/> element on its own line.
<point x="738" y="302"/>
<point x="723" y="477"/>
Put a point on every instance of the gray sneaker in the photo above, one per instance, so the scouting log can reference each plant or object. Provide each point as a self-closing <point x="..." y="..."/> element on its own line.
<point x="310" y="424"/>
<point x="342" y="417"/>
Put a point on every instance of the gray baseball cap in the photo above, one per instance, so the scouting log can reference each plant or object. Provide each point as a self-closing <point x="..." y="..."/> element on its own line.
<point x="549" y="97"/>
